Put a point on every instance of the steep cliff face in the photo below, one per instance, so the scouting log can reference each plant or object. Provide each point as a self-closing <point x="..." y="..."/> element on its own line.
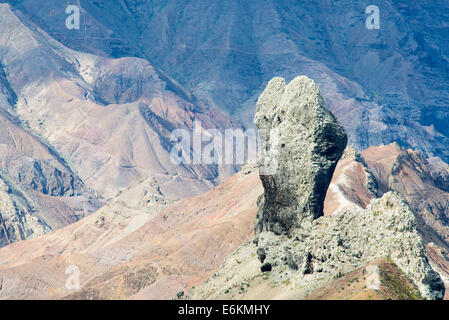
<point x="308" y="141"/>
<point x="18" y="220"/>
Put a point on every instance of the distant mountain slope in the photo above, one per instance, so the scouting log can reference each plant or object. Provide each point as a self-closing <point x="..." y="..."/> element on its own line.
<point x="245" y="275"/>
<point x="385" y="85"/>
<point x="76" y="129"/>
<point x="111" y="119"/>
<point x="40" y="192"/>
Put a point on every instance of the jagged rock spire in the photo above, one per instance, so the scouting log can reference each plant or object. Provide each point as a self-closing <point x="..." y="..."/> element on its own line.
<point x="310" y="142"/>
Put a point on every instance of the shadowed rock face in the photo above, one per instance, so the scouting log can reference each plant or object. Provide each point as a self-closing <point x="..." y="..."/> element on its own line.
<point x="310" y="141"/>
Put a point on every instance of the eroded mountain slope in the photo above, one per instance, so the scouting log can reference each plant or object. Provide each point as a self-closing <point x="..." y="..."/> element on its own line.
<point x="134" y="248"/>
<point x="109" y="248"/>
<point x="384" y="85"/>
<point x="125" y="248"/>
<point x="40" y="191"/>
<point x="76" y="128"/>
<point x="110" y="118"/>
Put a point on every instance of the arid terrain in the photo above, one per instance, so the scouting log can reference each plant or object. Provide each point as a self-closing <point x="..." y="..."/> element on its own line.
<point x="77" y="129"/>
<point x="129" y="249"/>
<point x="357" y="208"/>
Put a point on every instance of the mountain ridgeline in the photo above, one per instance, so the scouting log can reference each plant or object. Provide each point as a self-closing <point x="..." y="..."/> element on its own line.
<point x="385" y="85"/>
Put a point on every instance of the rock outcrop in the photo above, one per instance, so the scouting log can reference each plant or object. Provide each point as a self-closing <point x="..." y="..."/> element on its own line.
<point x="352" y="187"/>
<point x="293" y="239"/>
<point x="310" y="141"/>
<point x="337" y="244"/>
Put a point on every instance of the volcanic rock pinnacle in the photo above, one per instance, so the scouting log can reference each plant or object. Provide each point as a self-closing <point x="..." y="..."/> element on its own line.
<point x="310" y="142"/>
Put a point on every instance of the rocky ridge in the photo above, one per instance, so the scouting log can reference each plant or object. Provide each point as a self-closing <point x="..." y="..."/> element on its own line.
<point x="387" y="228"/>
<point x="328" y="246"/>
<point x="335" y="245"/>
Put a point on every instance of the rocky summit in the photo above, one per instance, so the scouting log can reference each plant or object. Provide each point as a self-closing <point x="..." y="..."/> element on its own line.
<point x="299" y="247"/>
<point x="309" y="142"/>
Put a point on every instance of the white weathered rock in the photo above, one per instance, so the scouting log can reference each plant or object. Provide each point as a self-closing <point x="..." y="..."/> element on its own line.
<point x="386" y="229"/>
<point x="310" y="142"/>
<point x="292" y="235"/>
